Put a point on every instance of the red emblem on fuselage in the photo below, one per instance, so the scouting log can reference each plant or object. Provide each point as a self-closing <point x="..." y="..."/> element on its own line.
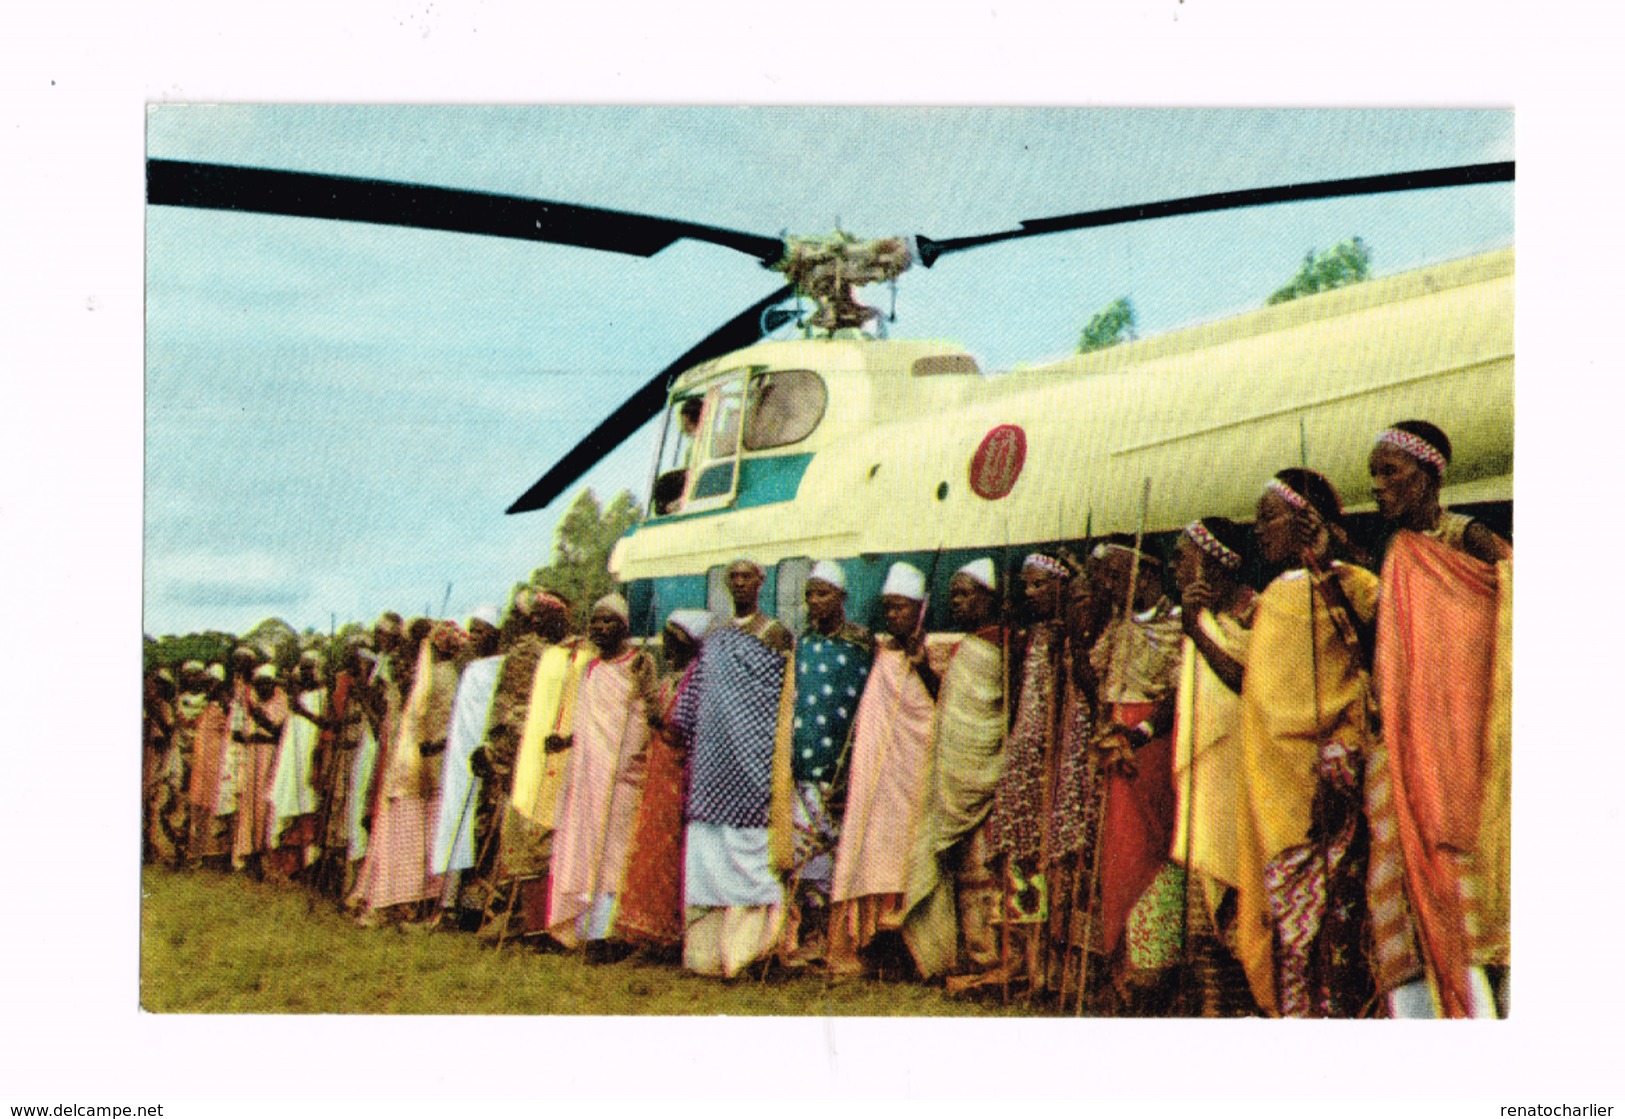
<point x="997" y="463"/>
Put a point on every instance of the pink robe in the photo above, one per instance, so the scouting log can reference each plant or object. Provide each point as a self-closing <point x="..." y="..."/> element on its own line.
<point x="889" y="773"/>
<point x="603" y="785"/>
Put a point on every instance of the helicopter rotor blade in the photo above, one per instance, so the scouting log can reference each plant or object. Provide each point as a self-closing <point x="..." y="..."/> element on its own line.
<point x="1470" y="174"/>
<point x="645" y="404"/>
<point x="217" y="186"/>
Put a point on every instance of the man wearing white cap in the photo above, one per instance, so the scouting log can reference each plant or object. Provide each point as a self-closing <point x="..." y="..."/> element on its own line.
<point x="607" y="762"/>
<point x="539" y="767"/>
<point x="292" y="794"/>
<point x="164" y="766"/>
<point x="347" y="726"/>
<point x="239" y="725"/>
<point x="1039" y="822"/>
<point x="1136" y="661"/>
<point x="158" y="703"/>
<point x="535" y="621"/>
<point x="209" y="750"/>
<point x="452" y="849"/>
<point x="398" y="877"/>
<point x="890" y="765"/>
<point x="833" y="656"/>
<point x="735" y="715"/>
<point x="267" y="710"/>
<point x="952" y="889"/>
<point x="650" y="913"/>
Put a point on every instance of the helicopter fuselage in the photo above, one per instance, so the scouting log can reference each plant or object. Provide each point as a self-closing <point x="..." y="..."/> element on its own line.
<point x="869" y="450"/>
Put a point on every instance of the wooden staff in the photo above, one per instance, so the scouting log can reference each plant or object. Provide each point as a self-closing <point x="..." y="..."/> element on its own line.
<point x="1004" y="670"/>
<point x="1073" y="904"/>
<point x="1190" y="798"/>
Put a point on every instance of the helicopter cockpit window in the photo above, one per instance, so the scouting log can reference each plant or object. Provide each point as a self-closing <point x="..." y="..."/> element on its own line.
<point x="725" y="422"/>
<point x="785" y="407"/>
<point x="700" y="449"/>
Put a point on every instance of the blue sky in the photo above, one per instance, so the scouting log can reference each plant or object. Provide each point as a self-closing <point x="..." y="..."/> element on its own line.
<point x="338" y="414"/>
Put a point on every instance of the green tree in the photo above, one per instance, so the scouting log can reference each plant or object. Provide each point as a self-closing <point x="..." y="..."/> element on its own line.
<point x="581" y="547"/>
<point x="172" y="650"/>
<point x="1346" y="263"/>
<point x="1109" y="326"/>
<point x="276" y="639"/>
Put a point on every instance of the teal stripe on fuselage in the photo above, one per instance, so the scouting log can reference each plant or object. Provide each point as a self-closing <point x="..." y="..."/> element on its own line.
<point x="768" y="481"/>
<point x="865" y="575"/>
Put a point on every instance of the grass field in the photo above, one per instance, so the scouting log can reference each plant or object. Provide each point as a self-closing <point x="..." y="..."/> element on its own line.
<point x="216" y="944"/>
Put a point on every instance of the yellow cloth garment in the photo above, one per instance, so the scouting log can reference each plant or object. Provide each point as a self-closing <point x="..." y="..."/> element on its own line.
<point x="1208" y="798"/>
<point x="1285" y="718"/>
<point x="780" y="825"/>
<point x="967" y="758"/>
<point x="538" y="775"/>
<point x="1493" y="865"/>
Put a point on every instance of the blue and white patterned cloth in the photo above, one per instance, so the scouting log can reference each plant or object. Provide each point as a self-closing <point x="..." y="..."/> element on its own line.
<point x="830" y="674"/>
<point x="728" y="714"/>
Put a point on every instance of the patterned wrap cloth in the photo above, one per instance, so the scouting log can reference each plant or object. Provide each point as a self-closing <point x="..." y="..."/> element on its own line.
<point x="735" y="717"/>
<point x="967" y="758"/>
<point x="651" y="904"/>
<point x="830" y="675"/>
<point x="729" y="716"/>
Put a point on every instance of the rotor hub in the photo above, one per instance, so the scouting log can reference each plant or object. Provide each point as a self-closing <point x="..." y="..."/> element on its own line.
<point x="829" y="270"/>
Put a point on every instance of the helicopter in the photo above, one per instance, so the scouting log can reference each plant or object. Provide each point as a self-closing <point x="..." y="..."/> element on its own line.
<point x="839" y="443"/>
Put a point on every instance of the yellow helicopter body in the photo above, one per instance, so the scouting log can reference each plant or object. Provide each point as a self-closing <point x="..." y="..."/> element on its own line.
<point x="869" y="450"/>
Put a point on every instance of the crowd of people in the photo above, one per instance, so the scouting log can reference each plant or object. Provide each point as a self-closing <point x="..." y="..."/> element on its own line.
<point x="1110" y="788"/>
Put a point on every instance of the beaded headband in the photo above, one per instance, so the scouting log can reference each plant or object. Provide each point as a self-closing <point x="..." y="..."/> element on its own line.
<point x="1287" y="494"/>
<point x="1046" y="563"/>
<point x="1413" y="445"/>
<point x="1205" y="540"/>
